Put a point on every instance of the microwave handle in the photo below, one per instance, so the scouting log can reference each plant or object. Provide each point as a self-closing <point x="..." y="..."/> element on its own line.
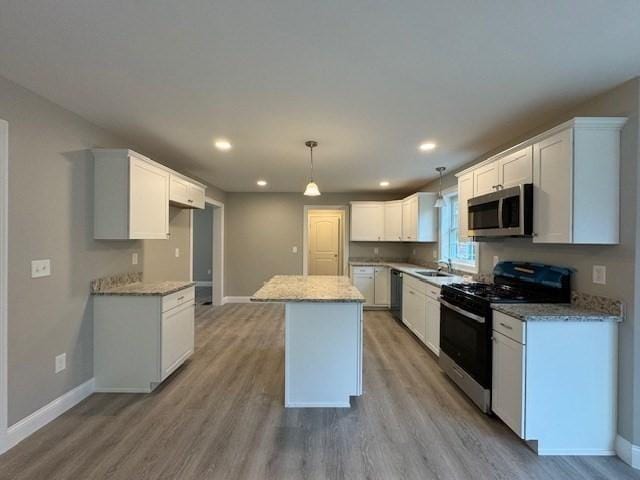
<point x="500" y="219"/>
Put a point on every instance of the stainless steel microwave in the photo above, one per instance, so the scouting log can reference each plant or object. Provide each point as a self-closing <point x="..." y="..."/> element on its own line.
<point x="505" y="213"/>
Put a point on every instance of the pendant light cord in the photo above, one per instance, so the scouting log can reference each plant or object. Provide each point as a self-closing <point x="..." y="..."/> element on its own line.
<point x="311" y="148"/>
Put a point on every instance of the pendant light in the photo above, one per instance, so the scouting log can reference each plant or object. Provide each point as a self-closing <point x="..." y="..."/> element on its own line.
<point x="440" y="200"/>
<point x="312" y="189"/>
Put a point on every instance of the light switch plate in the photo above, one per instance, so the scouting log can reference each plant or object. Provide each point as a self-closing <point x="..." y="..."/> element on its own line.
<point x="134" y="258"/>
<point x="177" y="252"/>
<point x="40" y="268"/>
<point x="61" y="362"/>
<point x="376" y="250"/>
<point x="600" y="274"/>
<point x="496" y="259"/>
<point x="294" y="249"/>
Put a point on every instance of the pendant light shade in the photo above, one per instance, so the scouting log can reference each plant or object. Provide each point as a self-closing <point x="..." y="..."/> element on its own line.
<point x="440" y="200"/>
<point x="312" y="189"/>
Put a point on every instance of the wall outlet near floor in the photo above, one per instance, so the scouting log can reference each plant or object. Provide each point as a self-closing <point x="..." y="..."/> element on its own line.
<point x="40" y="268"/>
<point x="294" y="249"/>
<point x="134" y="259"/>
<point x="61" y="362"/>
<point x="496" y="259"/>
<point x="177" y="252"/>
<point x="600" y="274"/>
<point x="376" y="250"/>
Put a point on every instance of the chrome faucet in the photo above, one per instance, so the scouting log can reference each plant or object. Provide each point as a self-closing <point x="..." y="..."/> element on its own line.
<point x="447" y="263"/>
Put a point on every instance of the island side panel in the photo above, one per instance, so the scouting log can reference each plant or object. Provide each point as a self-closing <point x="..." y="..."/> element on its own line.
<point x="323" y="354"/>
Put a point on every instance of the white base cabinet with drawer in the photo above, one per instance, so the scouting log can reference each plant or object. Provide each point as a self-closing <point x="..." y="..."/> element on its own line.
<point x="421" y="311"/>
<point x="554" y="383"/>
<point x="140" y="340"/>
<point x="373" y="283"/>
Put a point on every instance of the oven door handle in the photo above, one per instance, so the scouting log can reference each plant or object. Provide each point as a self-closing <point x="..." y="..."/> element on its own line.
<point x="462" y="312"/>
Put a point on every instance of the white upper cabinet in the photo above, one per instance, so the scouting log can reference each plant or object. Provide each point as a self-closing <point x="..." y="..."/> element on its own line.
<point x="419" y="218"/>
<point x="516" y="168"/>
<point x="465" y="192"/>
<point x="131" y="196"/>
<point x="393" y="221"/>
<point x="575" y="171"/>
<point x="576" y="178"/>
<point x="367" y="221"/>
<point x="486" y="179"/>
<point x="185" y="193"/>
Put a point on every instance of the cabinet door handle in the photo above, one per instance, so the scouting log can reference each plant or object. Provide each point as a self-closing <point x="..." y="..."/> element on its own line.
<point x="181" y="298"/>
<point x="508" y="327"/>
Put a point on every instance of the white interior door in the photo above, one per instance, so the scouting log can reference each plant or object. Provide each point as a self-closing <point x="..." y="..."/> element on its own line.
<point x="325" y="233"/>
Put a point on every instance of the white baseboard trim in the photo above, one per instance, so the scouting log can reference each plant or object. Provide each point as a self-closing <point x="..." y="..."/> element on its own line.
<point x="226" y="300"/>
<point x="628" y="452"/>
<point x="38" y="419"/>
<point x="202" y="283"/>
<point x="577" y="452"/>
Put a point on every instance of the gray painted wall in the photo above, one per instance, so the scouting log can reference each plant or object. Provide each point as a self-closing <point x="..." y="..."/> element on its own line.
<point x="160" y="262"/>
<point x="50" y="216"/>
<point x="261" y="228"/>
<point x="202" y="244"/>
<point x="622" y="261"/>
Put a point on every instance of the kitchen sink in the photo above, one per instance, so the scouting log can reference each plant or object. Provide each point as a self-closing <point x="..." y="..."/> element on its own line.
<point x="431" y="273"/>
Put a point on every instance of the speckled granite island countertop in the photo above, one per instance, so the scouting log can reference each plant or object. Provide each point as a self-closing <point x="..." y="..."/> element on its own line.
<point x="145" y="288"/>
<point x="311" y="288"/>
<point x="553" y="312"/>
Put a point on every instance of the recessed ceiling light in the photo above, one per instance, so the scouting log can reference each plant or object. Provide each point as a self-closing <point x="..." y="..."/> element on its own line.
<point x="384" y="183"/>
<point x="425" y="147"/>
<point x="261" y="183"/>
<point x="222" y="144"/>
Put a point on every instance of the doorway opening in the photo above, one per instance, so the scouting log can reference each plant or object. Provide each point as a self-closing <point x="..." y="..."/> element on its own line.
<point x="207" y="252"/>
<point x="325" y="246"/>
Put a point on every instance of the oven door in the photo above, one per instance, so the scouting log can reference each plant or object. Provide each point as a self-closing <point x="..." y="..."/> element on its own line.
<point x="466" y="338"/>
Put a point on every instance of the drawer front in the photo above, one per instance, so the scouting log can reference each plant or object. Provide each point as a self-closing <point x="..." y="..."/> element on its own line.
<point x="433" y="292"/>
<point x="509" y="326"/>
<point x="362" y="270"/>
<point x="176" y="299"/>
<point x="418" y="285"/>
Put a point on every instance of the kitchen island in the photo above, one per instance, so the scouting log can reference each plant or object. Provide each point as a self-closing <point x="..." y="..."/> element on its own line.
<point x="323" y="338"/>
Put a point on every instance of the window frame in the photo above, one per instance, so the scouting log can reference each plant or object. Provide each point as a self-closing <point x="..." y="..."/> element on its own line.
<point x="442" y="251"/>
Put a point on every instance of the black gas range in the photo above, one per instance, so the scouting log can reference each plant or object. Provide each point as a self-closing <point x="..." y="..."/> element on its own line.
<point x="466" y="319"/>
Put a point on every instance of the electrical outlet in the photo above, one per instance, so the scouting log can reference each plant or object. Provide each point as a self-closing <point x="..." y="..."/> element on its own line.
<point x="61" y="362"/>
<point x="600" y="274"/>
<point x="209" y="272"/>
<point x="294" y="249"/>
<point x="434" y="254"/>
<point x="376" y="250"/>
<point x="177" y="252"/>
<point x="134" y="258"/>
<point x="40" y="268"/>
<point x="413" y="252"/>
<point x="496" y="259"/>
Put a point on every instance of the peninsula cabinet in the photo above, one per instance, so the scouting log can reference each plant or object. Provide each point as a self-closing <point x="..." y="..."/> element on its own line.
<point x="554" y="383"/>
<point x="367" y="221"/>
<point x="139" y="340"/>
<point x="131" y="196"/>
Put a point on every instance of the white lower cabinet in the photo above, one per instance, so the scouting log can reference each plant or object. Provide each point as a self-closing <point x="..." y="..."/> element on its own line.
<point x="421" y="311"/>
<point x="554" y="383"/>
<point x="507" y="392"/>
<point x="140" y="340"/>
<point x="373" y="283"/>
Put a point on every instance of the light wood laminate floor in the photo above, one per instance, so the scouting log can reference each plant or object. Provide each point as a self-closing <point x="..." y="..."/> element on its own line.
<point x="221" y="416"/>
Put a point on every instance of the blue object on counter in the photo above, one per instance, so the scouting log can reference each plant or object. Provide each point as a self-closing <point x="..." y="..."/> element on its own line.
<point x="535" y="273"/>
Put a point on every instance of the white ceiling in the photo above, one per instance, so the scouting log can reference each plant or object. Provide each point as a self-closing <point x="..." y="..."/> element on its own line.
<point x="369" y="79"/>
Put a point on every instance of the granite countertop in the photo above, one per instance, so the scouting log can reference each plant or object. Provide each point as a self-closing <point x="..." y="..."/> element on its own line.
<point x="311" y="288"/>
<point x="411" y="269"/>
<point x="145" y="288"/>
<point x="553" y="312"/>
